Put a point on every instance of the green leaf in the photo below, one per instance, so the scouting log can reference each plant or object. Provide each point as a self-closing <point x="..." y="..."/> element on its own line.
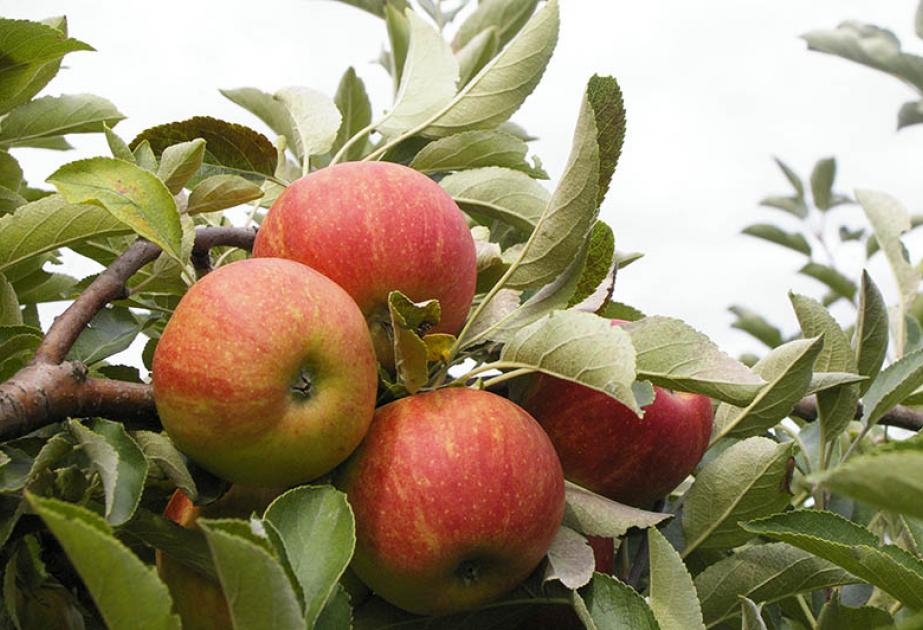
<point x="220" y="192"/>
<point x="256" y="586"/>
<point x="110" y="331"/>
<point x="757" y="326"/>
<point x="751" y="615"/>
<point x="118" y="460"/>
<point x="476" y="54"/>
<point x="836" y="616"/>
<point x="506" y="17"/>
<point x="570" y="559"/>
<point x="409" y="322"/>
<point x="609" y="604"/>
<point x="475" y="149"/>
<point x="578" y="347"/>
<point x="134" y="196"/>
<point x="230" y="148"/>
<point x="673" y="596"/>
<point x="502" y="194"/>
<point x="10" y="172"/>
<point x="502" y="86"/>
<point x="889" y="220"/>
<point x="836" y="407"/>
<point x="184" y="544"/>
<point x="318" y="531"/>
<point x="892" y="385"/>
<point x="838" y="283"/>
<point x="356" y="109"/>
<point x="822" y="183"/>
<point x="179" y="162"/>
<point x="316" y="118"/>
<point x="427" y="82"/>
<point x="31" y="54"/>
<point x="565" y="224"/>
<point x="49" y="223"/>
<point x="159" y="450"/>
<point x="792" y="178"/>
<point x="10" y="314"/>
<point x="773" y="234"/>
<point x="617" y="310"/>
<point x="51" y="116"/>
<point x="271" y="111"/>
<point x="844" y="543"/>
<point x="887" y="477"/>
<point x="21" y="469"/>
<point x="748" y="480"/>
<point x="398" y="27"/>
<point x="674" y="355"/>
<point x="871" y="331"/>
<point x="792" y="205"/>
<point x="910" y="113"/>
<point x="144" y="156"/>
<point x="766" y="574"/>
<point x="117" y="146"/>
<point x="605" y="97"/>
<point x="127" y="592"/>
<point x="595" y="515"/>
<point x="787" y="370"/>
<point x="821" y="381"/>
<point x="600" y="253"/>
<point x="338" y="613"/>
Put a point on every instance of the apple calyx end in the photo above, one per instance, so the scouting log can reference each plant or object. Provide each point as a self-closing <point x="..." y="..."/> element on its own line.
<point x="302" y="387"/>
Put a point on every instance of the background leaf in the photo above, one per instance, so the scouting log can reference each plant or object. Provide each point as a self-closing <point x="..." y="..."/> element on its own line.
<point x="673" y="597"/>
<point x="475" y="149"/>
<point x="495" y="193"/>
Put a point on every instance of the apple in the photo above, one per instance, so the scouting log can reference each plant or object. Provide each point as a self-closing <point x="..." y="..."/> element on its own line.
<point x="605" y="447"/>
<point x="373" y="228"/>
<point x="197" y="597"/>
<point x="265" y="374"/>
<point x="457" y="495"/>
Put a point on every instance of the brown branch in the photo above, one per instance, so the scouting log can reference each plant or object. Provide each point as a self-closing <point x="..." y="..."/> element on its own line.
<point x="50" y="389"/>
<point x="900" y="416"/>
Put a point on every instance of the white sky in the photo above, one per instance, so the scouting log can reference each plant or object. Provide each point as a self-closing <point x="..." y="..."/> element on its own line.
<point x="713" y="91"/>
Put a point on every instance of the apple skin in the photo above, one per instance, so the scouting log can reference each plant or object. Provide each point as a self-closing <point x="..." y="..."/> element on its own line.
<point x="197" y="598"/>
<point x="226" y="373"/>
<point x="376" y="227"/>
<point x="605" y="447"/>
<point x="457" y="495"/>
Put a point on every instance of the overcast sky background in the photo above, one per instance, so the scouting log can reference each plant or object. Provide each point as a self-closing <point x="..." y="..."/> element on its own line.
<point x="713" y="90"/>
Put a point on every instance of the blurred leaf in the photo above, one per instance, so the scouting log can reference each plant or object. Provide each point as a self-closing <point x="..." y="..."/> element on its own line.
<point x="159" y="449"/>
<point x="230" y="148"/>
<point x="822" y="178"/>
<point x="47" y="224"/>
<point x="792" y="205"/>
<point x="179" y="162"/>
<point x="506" y="17"/>
<point x="918" y="20"/>
<point x="110" y="331"/>
<point x="871" y="338"/>
<point x="673" y="597"/>
<point x="887" y="477"/>
<point x="126" y="592"/>
<point x="9" y="304"/>
<point x="605" y="97"/>
<point x="910" y="113"/>
<point x="792" y="178"/>
<point x="773" y="234"/>
<point x="850" y="546"/>
<point x="220" y="192"/>
<point x="757" y="326"/>
<point x="838" y="283"/>
<point x="595" y="515"/>
<point x="118" y="460"/>
<point x="600" y="253"/>
<point x="31" y="54"/>
<point x="131" y="194"/>
<point x="52" y="116"/>
<point x="255" y="584"/>
<point x="356" y="109"/>
<point x="607" y="603"/>
<point x="375" y="7"/>
<point x="570" y="559"/>
<point x="787" y="370"/>
<point x="765" y="573"/>
<point x="578" y="347"/>
<point x="672" y="354"/>
<point x="502" y="194"/>
<point x="427" y="82"/>
<point x="476" y="54"/>
<point x="501" y="86"/>
<point x="398" y="27"/>
<point x="318" y="531"/>
<point x="475" y="149"/>
<point x="748" y="480"/>
<point x="316" y="117"/>
<point x="271" y="111"/>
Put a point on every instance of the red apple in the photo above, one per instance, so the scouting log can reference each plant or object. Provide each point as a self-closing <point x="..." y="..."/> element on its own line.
<point x="457" y="495"/>
<point x="265" y="374"/>
<point x="197" y="597"/>
<point x="376" y="227"/>
<point x="605" y="447"/>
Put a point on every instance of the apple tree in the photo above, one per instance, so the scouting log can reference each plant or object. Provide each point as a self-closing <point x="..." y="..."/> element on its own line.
<point x="803" y="508"/>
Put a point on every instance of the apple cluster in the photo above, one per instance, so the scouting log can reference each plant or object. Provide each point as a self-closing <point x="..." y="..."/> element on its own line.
<point x="267" y="376"/>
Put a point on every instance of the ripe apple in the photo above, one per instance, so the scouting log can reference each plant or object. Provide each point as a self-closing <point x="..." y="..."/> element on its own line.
<point x="376" y="227"/>
<point x="457" y="494"/>
<point x="265" y="374"/>
<point x="198" y="598"/>
<point x="605" y="447"/>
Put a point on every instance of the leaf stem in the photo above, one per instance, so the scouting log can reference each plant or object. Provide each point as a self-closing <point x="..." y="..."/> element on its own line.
<point x="806" y="610"/>
<point x="506" y="376"/>
<point x="352" y="140"/>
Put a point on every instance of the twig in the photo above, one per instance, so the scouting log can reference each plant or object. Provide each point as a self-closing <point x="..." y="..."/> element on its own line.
<point x="51" y="389"/>
<point x="900" y="416"/>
